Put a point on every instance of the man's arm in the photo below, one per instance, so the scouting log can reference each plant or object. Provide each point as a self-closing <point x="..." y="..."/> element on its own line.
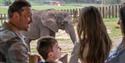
<point x="18" y="53"/>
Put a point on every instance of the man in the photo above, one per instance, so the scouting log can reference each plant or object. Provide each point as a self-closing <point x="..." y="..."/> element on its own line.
<point x="13" y="48"/>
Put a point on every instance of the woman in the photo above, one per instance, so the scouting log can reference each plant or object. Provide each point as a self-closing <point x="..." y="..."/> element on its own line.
<point x="119" y="55"/>
<point x="95" y="43"/>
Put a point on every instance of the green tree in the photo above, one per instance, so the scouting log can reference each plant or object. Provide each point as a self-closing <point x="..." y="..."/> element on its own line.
<point x="1" y="1"/>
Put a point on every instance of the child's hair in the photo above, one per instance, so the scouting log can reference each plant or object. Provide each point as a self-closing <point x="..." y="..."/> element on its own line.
<point x="45" y="45"/>
<point x="92" y="33"/>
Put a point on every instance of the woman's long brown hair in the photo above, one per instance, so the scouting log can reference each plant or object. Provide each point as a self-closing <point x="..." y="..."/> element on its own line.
<point x="122" y="19"/>
<point x="92" y="33"/>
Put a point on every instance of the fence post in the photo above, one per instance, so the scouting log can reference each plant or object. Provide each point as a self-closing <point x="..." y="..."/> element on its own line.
<point x="106" y="11"/>
<point x="3" y="18"/>
<point x="103" y="12"/>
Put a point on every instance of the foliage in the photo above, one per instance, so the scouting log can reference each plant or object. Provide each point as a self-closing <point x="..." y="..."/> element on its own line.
<point x="3" y="10"/>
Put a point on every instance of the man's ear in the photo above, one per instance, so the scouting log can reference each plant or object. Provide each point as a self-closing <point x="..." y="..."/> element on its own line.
<point x="50" y="54"/>
<point x="16" y="15"/>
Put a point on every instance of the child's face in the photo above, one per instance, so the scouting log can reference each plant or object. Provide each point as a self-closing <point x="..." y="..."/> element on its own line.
<point x="56" y="51"/>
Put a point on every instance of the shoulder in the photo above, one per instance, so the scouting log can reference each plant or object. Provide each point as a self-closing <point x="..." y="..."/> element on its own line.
<point x="6" y="34"/>
<point x="122" y="55"/>
<point x="118" y="57"/>
<point x="18" y="48"/>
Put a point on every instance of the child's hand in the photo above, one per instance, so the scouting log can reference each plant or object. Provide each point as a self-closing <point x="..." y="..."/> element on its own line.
<point x="34" y="58"/>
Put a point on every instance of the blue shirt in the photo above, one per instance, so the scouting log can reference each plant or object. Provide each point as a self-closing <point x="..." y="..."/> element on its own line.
<point x="43" y="62"/>
<point x="118" y="56"/>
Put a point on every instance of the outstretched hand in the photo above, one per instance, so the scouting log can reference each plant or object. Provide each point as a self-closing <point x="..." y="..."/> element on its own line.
<point x="34" y="58"/>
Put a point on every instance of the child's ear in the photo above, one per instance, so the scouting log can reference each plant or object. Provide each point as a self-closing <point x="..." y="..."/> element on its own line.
<point x="50" y="54"/>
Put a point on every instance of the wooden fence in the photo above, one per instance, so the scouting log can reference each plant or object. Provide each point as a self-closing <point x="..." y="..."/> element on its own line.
<point x="3" y="18"/>
<point x="107" y="11"/>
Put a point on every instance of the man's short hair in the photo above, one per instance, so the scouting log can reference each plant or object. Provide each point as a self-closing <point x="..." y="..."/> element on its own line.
<point x="45" y="45"/>
<point x="17" y="6"/>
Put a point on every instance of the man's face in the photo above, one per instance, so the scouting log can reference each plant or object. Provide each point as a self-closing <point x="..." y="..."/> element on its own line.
<point x="24" y="19"/>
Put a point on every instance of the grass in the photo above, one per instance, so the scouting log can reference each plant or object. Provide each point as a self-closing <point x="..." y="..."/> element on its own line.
<point x="3" y="10"/>
<point x="66" y="6"/>
<point x="112" y="27"/>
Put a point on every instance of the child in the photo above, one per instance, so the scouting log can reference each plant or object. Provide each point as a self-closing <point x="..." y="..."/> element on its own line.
<point x="49" y="49"/>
